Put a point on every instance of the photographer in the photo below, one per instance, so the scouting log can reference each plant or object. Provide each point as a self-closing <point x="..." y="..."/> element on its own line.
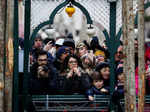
<point x="43" y="76"/>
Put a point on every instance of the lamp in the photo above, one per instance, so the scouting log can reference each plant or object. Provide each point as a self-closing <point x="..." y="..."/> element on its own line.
<point x="70" y="10"/>
<point x="112" y="1"/>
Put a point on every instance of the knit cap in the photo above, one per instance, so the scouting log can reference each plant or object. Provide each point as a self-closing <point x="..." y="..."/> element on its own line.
<point x="99" y="52"/>
<point x="61" y="50"/>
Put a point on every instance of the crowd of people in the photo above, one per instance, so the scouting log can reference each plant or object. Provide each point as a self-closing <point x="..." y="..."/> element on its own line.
<point x="61" y="66"/>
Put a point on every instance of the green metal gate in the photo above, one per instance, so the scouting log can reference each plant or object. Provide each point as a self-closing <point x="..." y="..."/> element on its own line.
<point x="32" y="28"/>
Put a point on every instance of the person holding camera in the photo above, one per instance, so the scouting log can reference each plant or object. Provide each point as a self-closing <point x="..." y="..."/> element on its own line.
<point x="43" y="76"/>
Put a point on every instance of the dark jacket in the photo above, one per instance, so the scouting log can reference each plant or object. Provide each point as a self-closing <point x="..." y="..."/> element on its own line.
<point x="107" y="83"/>
<point x="61" y="81"/>
<point x="120" y="89"/>
<point x="43" y="85"/>
<point x="77" y="84"/>
<point x="94" y="91"/>
<point x="148" y="86"/>
<point x="57" y="64"/>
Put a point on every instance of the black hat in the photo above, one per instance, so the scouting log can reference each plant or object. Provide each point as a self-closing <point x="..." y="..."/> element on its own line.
<point x="101" y="65"/>
<point x="60" y="51"/>
<point x="69" y="43"/>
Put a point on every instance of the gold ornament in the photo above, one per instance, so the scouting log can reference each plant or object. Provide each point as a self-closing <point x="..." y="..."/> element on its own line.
<point x="70" y="10"/>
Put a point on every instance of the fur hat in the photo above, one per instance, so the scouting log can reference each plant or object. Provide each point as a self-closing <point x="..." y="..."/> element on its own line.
<point x="81" y="44"/>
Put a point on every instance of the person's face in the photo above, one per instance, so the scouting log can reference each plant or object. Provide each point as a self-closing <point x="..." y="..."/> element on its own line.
<point x="64" y="55"/>
<point x="71" y="50"/>
<point x="100" y="59"/>
<point x="119" y="53"/>
<point x="105" y="72"/>
<point x="72" y="63"/>
<point x="121" y="78"/>
<point x="42" y="60"/>
<point x="82" y="51"/>
<point x="37" y="43"/>
<point x="98" y="83"/>
<point x="86" y="62"/>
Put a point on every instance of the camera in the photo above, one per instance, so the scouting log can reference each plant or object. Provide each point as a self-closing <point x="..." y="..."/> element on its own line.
<point x="45" y="68"/>
<point x="43" y="71"/>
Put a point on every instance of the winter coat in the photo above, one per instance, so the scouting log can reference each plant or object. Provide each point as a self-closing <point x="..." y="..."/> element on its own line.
<point x="43" y="85"/>
<point x="76" y="84"/>
<point x="57" y="64"/>
<point x="94" y="91"/>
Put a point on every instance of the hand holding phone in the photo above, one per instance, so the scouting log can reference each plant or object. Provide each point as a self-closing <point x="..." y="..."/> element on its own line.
<point x="48" y="46"/>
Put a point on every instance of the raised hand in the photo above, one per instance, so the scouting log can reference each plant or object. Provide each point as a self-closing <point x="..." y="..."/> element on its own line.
<point x="70" y="74"/>
<point x="77" y="71"/>
<point x="48" y="46"/>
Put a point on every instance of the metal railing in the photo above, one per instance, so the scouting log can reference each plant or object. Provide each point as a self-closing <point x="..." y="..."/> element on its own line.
<point x="74" y="103"/>
<point x="70" y="103"/>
